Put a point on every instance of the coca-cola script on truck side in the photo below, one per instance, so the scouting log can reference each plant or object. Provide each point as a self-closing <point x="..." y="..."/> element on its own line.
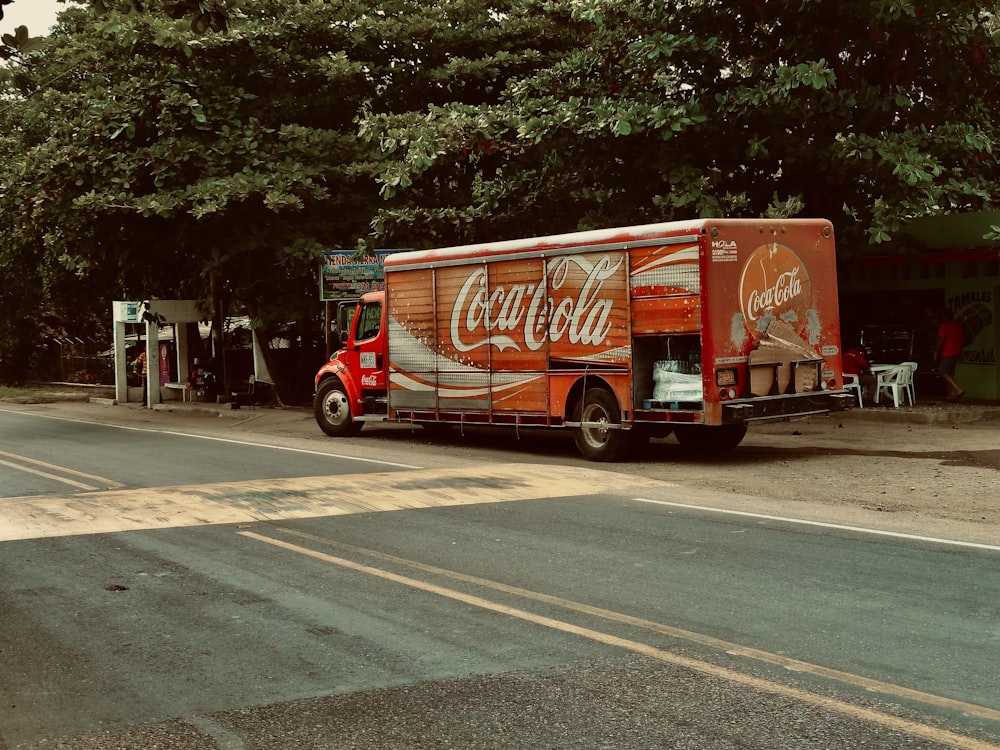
<point x="697" y="328"/>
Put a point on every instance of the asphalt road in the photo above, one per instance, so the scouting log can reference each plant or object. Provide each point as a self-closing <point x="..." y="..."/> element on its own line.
<point x="207" y="593"/>
<point x="40" y="455"/>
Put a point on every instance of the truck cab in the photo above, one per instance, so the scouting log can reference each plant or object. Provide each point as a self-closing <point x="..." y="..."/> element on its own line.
<point x="351" y="387"/>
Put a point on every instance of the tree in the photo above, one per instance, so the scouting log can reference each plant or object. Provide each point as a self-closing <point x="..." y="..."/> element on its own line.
<point x="159" y="162"/>
<point x="148" y="169"/>
<point x="163" y="156"/>
<point x="867" y="112"/>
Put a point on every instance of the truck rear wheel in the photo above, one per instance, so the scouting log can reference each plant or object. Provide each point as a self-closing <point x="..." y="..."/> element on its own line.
<point x="332" y="410"/>
<point x="600" y="437"/>
<point x="705" y="439"/>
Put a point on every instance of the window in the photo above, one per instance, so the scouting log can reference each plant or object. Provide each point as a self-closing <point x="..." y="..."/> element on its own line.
<point x="369" y="321"/>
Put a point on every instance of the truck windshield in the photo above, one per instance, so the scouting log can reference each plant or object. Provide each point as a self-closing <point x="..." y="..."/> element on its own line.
<point x="369" y="321"/>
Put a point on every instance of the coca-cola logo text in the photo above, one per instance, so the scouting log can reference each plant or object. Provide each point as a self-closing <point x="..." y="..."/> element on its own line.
<point x="571" y="306"/>
<point x="774" y="282"/>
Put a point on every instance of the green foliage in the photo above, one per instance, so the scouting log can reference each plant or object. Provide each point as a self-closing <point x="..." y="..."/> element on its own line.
<point x="185" y="148"/>
<point x="868" y="112"/>
<point x="152" y="155"/>
<point x="146" y="159"/>
<point x="19" y="43"/>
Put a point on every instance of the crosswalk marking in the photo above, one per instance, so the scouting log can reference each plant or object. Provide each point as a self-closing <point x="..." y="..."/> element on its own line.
<point x="306" y="497"/>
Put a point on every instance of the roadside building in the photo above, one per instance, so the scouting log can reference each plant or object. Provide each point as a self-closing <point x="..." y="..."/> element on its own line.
<point x="891" y="303"/>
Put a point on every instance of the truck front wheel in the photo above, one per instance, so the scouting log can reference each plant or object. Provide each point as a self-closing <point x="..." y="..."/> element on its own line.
<point x="333" y="410"/>
<point x="600" y="436"/>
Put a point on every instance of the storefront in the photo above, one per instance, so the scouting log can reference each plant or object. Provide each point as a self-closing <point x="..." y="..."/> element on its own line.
<point x="892" y="304"/>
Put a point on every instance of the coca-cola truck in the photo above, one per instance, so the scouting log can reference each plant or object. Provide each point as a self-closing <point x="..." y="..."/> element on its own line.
<point x="693" y="327"/>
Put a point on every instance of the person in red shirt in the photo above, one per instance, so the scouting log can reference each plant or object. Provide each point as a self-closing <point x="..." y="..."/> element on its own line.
<point x="948" y="352"/>
<point x="854" y="362"/>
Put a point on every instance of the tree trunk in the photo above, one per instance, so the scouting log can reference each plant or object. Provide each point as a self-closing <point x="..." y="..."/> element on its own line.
<point x="264" y="340"/>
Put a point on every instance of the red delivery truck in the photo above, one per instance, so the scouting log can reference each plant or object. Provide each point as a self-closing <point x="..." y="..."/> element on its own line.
<point x="693" y="327"/>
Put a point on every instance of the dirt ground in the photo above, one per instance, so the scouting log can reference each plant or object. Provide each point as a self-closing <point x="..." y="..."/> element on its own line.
<point x="930" y="470"/>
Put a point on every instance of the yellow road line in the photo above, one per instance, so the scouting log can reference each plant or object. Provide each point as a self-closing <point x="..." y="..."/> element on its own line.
<point x="47" y="475"/>
<point x="886" y="688"/>
<point x="17" y="462"/>
<point x="843" y="708"/>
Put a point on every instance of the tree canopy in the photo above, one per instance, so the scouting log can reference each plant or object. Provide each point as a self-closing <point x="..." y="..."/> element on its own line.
<point x="214" y="148"/>
<point x="867" y="112"/>
<point x="154" y="153"/>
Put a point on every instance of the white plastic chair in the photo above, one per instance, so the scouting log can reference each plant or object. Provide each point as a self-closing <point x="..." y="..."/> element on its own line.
<point x="853" y="383"/>
<point x="910" y="391"/>
<point x="894" y="381"/>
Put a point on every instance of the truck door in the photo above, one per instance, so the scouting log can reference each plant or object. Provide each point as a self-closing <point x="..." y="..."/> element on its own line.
<point x="345" y="313"/>
<point x="369" y="344"/>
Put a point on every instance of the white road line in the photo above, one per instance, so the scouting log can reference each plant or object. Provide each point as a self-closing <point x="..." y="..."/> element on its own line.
<point x="216" y="439"/>
<point x="821" y="524"/>
<point x="275" y="447"/>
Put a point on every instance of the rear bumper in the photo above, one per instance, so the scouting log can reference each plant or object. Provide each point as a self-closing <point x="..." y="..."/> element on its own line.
<point x="783" y="407"/>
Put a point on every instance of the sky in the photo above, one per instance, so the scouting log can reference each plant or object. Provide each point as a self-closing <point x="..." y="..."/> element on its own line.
<point x="37" y="15"/>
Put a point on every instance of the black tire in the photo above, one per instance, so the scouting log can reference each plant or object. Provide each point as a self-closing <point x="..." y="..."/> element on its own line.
<point x="332" y="410"/>
<point x="703" y="439"/>
<point x="607" y="442"/>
